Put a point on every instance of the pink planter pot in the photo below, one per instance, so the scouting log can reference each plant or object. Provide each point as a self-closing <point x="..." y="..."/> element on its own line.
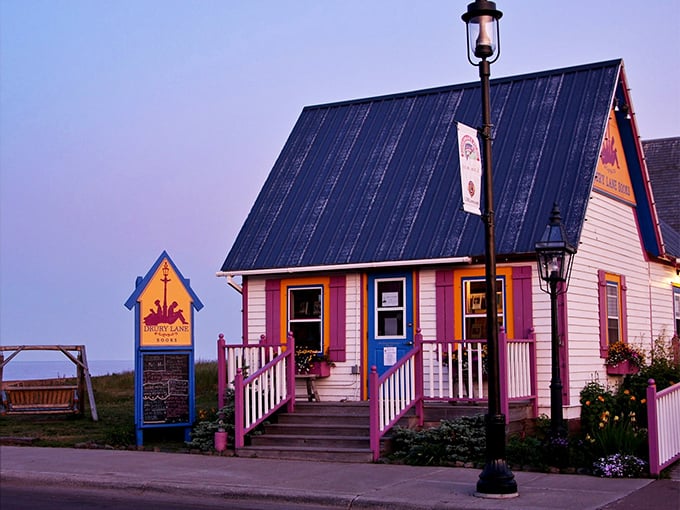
<point x="220" y="441"/>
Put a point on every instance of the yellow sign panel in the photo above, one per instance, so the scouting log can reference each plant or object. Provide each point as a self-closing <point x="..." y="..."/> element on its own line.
<point x="612" y="177"/>
<point x="165" y="310"/>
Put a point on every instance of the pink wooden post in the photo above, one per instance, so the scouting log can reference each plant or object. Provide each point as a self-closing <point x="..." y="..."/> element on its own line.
<point x="652" y="429"/>
<point x="420" y="411"/>
<point x="374" y="412"/>
<point x="533" y="370"/>
<point x="290" y="374"/>
<point x="239" y="435"/>
<point x="503" y="373"/>
<point x="221" y="371"/>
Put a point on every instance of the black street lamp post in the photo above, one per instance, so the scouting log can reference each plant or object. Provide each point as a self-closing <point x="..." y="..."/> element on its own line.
<point x="554" y="257"/>
<point x="496" y="479"/>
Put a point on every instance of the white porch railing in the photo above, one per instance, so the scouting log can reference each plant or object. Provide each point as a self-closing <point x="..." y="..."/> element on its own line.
<point x="450" y="370"/>
<point x="248" y="358"/>
<point x="663" y="424"/>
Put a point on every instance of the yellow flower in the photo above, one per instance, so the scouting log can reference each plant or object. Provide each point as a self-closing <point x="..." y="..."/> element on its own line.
<point x="601" y="425"/>
<point x="616" y="418"/>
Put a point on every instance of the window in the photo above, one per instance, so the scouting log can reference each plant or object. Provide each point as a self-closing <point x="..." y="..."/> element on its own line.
<point x="613" y="313"/>
<point x="612" y="303"/>
<point x="474" y="309"/>
<point x="305" y="317"/>
<point x="390" y="307"/>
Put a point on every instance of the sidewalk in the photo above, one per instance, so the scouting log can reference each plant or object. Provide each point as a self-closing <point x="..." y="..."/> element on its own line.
<point x="332" y="484"/>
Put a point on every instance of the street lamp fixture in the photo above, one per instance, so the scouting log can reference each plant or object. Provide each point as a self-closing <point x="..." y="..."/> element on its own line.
<point x="483" y="32"/>
<point x="555" y="257"/>
<point x="496" y="479"/>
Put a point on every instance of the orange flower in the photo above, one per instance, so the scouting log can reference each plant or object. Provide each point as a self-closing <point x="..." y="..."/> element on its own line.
<point x="600" y="398"/>
<point x="632" y="397"/>
<point x="626" y="392"/>
<point x="587" y="402"/>
<point x="643" y="401"/>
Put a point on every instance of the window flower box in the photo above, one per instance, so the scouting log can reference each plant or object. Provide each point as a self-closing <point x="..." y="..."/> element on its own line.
<point x="320" y="369"/>
<point x="623" y="368"/>
<point x="623" y="359"/>
<point x="309" y="362"/>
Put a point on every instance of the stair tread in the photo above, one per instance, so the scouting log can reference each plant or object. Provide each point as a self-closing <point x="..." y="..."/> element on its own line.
<point x="306" y="449"/>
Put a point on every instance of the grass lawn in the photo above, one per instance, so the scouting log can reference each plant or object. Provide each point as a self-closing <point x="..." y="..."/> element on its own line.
<point x="115" y="400"/>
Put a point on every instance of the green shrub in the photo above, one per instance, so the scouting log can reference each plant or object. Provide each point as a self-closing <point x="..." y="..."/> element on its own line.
<point x="460" y="440"/>
<point x="203" y="433"/>
<point x="526" y="452"/>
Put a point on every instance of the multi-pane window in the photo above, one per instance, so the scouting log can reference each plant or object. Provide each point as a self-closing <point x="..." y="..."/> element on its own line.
<point x="474" y="310"/>
<point x="305" y="317"/>
<point x="613" y="313"/>
<point x="390" y="308"/>
<point x="612" y="309"/>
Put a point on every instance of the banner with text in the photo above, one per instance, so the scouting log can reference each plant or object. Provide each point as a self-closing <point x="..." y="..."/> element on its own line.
<point x="470" y="168"/>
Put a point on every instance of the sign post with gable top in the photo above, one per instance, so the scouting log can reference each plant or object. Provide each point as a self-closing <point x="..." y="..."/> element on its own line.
<point x="164" y="305"/>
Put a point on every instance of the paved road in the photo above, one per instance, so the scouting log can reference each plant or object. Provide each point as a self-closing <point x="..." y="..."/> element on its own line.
<point x="20" y="496"/>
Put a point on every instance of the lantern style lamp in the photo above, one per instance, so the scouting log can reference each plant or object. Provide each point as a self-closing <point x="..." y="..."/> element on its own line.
<point x="482" y="27"/>
<point x="555" y="257"/>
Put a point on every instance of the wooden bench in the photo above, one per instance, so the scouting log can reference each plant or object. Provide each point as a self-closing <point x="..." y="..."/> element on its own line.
<point x="40" y="399"/>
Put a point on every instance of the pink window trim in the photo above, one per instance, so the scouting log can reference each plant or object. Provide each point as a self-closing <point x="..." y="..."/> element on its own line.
<point x="444" y="304"/>
<point x="602" y="293"/>
<point x="522" y="301"/>
<point x="338" y="318"/>
<point x="273" y="311"/>
<point x="244" y="307"/>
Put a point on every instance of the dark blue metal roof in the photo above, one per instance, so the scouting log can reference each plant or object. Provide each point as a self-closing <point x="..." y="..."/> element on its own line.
<point x="377" y="179"/>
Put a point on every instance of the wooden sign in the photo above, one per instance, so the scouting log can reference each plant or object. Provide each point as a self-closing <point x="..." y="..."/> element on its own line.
<point x="164" y="356"/>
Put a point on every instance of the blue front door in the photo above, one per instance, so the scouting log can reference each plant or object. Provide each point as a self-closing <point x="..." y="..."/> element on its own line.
<point x="390" y="319"/>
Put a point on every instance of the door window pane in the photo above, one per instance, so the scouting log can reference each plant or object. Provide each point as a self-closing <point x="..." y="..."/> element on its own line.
<point x="390" y="307"/>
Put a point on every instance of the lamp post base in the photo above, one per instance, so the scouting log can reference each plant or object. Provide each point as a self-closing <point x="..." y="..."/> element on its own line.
<point x="496" y="479"/>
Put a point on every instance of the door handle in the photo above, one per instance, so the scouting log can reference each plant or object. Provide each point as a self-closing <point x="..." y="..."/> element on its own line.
<point x="408" y="343"/>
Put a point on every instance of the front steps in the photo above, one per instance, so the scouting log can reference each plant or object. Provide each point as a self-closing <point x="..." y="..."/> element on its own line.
<point x="319" y="431"/>
<point x="340" y="431"/>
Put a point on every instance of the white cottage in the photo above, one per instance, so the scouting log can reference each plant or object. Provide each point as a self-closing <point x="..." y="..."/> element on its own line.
<point x="357" y="243"/>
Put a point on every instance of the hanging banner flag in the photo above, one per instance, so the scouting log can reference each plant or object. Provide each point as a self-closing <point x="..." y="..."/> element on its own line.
<point x="470" y="168"/>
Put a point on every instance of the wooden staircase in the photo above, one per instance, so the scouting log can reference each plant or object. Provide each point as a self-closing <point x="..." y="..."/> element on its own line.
<point x="320" y="431"/>
<point x="340" y="431"/>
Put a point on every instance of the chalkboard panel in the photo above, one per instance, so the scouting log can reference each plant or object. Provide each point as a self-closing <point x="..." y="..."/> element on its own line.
<point x="165" y="388"/>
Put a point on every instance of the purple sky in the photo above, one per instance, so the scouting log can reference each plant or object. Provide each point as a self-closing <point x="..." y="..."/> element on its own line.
<point x="132" y="127"/>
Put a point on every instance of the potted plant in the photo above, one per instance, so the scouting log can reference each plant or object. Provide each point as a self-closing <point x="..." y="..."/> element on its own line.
<point x="308" y="361"/>
<point x="623" y="359"/>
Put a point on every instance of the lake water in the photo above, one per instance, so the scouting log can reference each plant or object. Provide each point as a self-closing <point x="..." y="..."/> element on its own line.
<point x="21" y="370"/>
